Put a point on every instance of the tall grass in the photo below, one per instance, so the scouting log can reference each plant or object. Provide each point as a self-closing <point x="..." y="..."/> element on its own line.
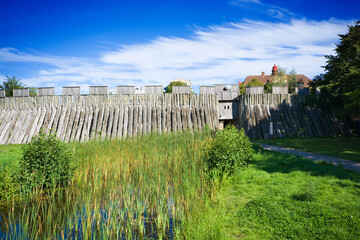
<point x="135" y="188"/>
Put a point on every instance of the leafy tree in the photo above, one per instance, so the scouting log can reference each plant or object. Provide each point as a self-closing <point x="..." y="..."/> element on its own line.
<point x="11" y="83"/>
<point x="175" y="83"/>
<point x="280" y="79"/>
<point x="342" y="74"/>
<point x="242" y="89"/>
<point x="292" y="83"/>
<point x="255" y="83"/>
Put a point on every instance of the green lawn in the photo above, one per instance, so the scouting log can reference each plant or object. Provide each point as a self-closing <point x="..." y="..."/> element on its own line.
<point x="10" y="154"/>
<point x="340" y="147"/>
<point x="283" y="197"/>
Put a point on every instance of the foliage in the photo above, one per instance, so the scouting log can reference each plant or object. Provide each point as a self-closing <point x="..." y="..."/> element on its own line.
<point x="46" y="162"/>
<point x="268" y="87"/>
<point x="11" y="83"/>
<point x="292" y="81"/>
<point x="255" y="83"/>
<point x="32" y="92"/>
<point x="230" y="149"/>
<point x="175" y="83"/>
<point x="242" y="89"/>
<point x="281" y="78"/>
<point x="342" y="76"/>
<point x="8" y="184"/>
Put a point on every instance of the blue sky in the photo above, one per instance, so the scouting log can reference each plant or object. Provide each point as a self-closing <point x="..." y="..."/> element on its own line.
<point x="63" y="43"/>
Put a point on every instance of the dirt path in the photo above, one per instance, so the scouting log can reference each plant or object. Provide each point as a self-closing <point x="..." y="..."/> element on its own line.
<point x="354" y="166"/>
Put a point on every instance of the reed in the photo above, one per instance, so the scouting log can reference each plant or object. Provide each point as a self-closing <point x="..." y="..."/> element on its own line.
<point x="135" y="188"/>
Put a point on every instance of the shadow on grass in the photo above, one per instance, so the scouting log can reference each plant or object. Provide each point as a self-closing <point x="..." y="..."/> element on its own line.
<point x="273" y="162"/>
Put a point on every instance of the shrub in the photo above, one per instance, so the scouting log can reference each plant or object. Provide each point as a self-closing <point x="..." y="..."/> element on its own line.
<point x="230" y="149"/>
<point x="8" y="186"/>
<point x="46" y="162"/>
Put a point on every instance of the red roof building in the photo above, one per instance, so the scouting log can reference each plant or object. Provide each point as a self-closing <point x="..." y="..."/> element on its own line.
<point x="274" y="72"/>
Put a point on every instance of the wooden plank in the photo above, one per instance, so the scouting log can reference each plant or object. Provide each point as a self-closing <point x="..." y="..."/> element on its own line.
<point x="84" y="135"/>
<point x="315" y="121"/>
<point x="64" y="112"/>
<point x="264" y="122"/>
<point x="130" y="121"/>
<point x="25" y="125"/>
<point x="126" y="120"/>
<point x="140" y="121"/>
<point x="76" y="122"/>
<point x="32" y="118"/>
<point x="14" y="135"/>
<point x="55" y="124"/>
<point x="94" y="122"/>
<point x="121" y="122"/>
<point x="136" y="118"/>
<point x="34" y="126"/>
<point x="105" y="122"/>
<point x="99" y="124"/>
<point x="145" y="120"/>
<point x="258" y="121"/>
<point x="70" y="124"/>
<point x="41" y="120"/>
<point x="115" y="123"/>
<point x="80" y="125"/>
<point x="173" y="119"/>
<point x="9" y="127"/>
<point x="153" y="120"/>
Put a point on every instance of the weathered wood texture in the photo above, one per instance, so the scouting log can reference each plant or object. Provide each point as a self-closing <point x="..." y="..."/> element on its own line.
<point x="45" y="91"/>
<point x="81" y="118"/>
<point x="125" y="90"/>
<point x="154" y="89"/>
<point x="288" y="116"/>
<point x="181" y="89"/>
<point x="23" y="92"/>
<point x="254" y="90"/>
<point x="98" y="90"/>
<point x="280" y="90"/>
<point x="207" y="90"/>
<point x="71" y="90"/>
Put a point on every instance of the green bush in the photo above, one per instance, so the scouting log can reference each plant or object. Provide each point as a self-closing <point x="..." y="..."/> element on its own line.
<point x="230" y="149"/>
<point x="8" y="185"/>
<point x="46" y="162"/>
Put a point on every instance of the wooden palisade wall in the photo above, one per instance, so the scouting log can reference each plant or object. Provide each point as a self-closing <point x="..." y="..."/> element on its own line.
<point x="81" y="118"/>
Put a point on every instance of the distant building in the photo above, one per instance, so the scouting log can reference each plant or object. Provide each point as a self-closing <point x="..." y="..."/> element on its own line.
<point x="274" y="72"/>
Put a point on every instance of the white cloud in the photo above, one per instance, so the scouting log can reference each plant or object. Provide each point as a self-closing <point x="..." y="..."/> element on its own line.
<point x="219" y="54"/>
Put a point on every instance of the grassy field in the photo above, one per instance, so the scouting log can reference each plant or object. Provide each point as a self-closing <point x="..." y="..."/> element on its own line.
<point x="283" y="197"/>
<point x="10" y="154"/>
<point x="156" y="187"/>
<point x="340" y="147"/>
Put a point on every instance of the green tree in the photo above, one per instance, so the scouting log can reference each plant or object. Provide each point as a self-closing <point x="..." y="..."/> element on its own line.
<point x="280" y="79"/>
<point x="11" y="83"/>
<point x="175" y="83"/>
<point x="292" y="83"/>
<point x="255" y="83"/>
<point x="342" y="74"/>
<point x="242" y="89"/>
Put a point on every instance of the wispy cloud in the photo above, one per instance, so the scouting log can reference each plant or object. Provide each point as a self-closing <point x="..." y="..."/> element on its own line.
<point x="218" y="54"/>
<point x="264" y="8"/>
